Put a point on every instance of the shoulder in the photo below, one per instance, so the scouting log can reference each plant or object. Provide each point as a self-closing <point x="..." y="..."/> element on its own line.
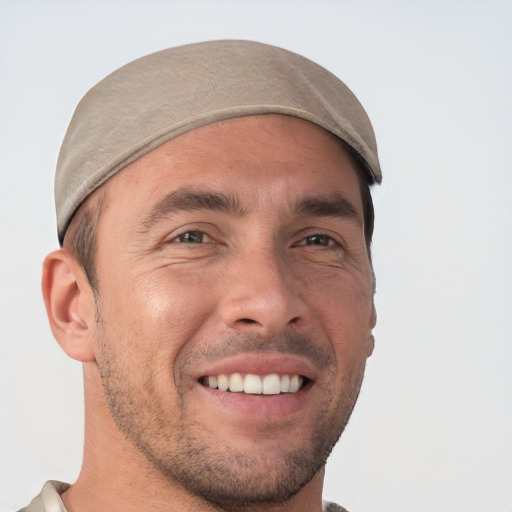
<point x="48" y="500"/>
<point x="332" y="507"/>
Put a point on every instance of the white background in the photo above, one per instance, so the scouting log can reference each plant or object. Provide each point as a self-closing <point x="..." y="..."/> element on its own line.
<point x="433" y="427"/>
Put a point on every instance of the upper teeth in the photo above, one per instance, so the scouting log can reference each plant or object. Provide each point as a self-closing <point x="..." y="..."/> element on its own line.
<point x="271" y="384"/>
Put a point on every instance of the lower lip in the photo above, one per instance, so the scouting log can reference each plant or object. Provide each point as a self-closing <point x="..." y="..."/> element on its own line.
<point x="254" y="407"/>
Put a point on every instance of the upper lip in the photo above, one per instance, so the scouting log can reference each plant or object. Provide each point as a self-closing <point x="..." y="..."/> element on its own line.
<point x="259" y="364"/>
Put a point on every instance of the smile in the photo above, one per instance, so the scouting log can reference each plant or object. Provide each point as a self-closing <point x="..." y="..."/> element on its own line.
<point x="251" y="384"/>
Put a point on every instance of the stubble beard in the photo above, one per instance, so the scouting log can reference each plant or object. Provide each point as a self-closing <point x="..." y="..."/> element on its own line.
<point x="189" y="454"/>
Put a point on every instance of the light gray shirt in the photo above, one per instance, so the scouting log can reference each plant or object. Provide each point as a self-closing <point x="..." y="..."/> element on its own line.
<point x="48" y="500"/>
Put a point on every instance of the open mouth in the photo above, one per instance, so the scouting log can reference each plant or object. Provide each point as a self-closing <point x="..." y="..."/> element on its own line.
<point x="251" y="384"/>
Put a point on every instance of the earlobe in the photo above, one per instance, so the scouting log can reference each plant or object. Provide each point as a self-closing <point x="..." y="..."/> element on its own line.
<point x="69" y="304"/>
<point x="370" y="345"/>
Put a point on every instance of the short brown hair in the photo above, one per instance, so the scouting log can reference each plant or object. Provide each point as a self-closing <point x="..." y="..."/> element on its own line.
<point x="81" y="236"/>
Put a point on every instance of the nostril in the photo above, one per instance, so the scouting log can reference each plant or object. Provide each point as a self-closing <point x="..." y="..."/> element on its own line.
<point x="248" y="320"/>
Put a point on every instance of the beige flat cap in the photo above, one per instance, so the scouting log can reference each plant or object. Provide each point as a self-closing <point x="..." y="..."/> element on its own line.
<point x="158" y="97"/>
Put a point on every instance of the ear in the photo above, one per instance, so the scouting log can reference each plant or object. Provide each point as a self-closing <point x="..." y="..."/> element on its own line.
<point x="373" y="316"/>
<point x="70" y="304"/>
<point x="370" y="342"/>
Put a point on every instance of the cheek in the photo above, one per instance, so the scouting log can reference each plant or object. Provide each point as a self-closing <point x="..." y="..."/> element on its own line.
<point x="162" y="309"/>
<point x="342" y="298"/>
<point x="343" y="308"/>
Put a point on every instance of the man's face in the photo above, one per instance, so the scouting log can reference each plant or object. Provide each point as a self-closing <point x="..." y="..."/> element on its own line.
<point x="235" y="255"/>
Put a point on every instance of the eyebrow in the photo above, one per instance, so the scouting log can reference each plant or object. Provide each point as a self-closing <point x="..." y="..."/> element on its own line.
<point x="335" y="205"/>
<point x="197" y="199"/>
<point x="192" y="199"/>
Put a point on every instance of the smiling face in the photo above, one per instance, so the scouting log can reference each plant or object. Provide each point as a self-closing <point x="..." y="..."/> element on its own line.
<point x="235" y="306"/>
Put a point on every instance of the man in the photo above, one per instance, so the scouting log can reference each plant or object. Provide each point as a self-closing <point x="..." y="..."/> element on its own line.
<point x="214" y="279"/>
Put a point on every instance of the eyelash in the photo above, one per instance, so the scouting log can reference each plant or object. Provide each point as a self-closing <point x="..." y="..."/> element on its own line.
<point x="188" y="238"/>
<point x="181" y="238"/>
<point x="329" y="239"/>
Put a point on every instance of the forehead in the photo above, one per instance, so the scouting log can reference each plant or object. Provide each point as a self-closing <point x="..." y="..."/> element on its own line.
<point x="254" y="151"/>
<point x="270" y="168"/>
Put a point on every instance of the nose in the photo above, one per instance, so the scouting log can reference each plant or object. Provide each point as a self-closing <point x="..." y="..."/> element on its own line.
<point x="263" y="296"/>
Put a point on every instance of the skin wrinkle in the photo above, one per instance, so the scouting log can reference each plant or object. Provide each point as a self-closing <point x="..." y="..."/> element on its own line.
<point x="157" y="323"/>
<point x="194" y="445"/>
<point x="84" y="222"/>
<point x="190" y="199"/>
<point x="197" y="198"/>
<point x="284" y="344"/>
